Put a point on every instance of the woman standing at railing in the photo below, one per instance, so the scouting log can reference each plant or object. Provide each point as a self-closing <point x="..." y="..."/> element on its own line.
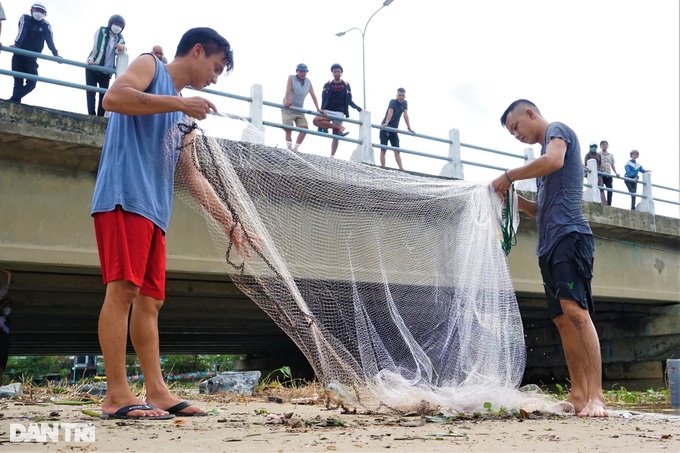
<point x="108" y="44"/>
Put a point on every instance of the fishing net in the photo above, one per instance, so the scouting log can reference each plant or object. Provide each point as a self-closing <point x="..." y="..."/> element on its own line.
<point x="394" y="286"/>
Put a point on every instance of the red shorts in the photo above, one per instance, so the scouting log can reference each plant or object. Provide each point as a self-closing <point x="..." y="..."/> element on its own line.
<point x="131" y="248"/>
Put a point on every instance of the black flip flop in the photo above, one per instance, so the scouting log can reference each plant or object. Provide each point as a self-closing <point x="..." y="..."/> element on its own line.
<point x="123" y="412"/>
<point x="176" y="410"/>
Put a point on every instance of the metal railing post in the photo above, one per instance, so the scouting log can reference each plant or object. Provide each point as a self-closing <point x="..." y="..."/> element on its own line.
<point x="364" y="152"/>
<point x="647" y="203"/>
<point x="454" y="169"/>
<point x="592" y="193"/>
<point x="528" y="185"/>
<point x="256" y="105"/>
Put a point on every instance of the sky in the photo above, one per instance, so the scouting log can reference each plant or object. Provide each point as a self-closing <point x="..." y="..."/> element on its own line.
<point x="607" y="68"/>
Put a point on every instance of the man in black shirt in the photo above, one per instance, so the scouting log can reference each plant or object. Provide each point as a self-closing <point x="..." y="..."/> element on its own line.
<point x="392" y="116"/>
<point x="335" y="101"/>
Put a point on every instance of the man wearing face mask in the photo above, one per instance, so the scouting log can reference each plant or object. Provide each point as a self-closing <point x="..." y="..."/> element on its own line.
<point x="2" y="17"/>
<point x="108" y="44"/>
<point x="34" y="32"/>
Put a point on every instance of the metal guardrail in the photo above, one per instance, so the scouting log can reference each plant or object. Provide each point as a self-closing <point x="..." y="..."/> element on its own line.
<point x="364" y="152"/>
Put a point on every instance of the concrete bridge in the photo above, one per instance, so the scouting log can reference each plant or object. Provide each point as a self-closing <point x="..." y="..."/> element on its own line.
<point x="48" y="162"/>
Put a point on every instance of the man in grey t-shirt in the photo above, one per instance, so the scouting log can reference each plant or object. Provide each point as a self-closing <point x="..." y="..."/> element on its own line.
<point x="565" y="245"/>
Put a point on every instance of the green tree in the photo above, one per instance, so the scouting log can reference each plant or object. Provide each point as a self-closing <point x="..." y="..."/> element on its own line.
<point x="37" y="367"/>
<point x="186" y="363"/>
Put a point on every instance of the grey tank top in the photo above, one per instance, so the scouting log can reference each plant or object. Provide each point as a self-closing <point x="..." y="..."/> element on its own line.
<point x="300" y="91"/>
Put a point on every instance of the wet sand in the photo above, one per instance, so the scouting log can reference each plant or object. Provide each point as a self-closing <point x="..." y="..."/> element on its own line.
<point x="259" y="425"/>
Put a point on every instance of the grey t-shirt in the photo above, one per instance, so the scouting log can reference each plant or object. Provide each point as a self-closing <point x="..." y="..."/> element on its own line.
<point x="559" y="197"/>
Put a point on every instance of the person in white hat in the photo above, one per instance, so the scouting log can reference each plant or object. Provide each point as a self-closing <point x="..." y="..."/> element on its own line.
<point x="34" y="32"/>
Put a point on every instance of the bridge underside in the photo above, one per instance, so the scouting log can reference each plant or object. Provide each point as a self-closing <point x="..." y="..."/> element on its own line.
<point x="56" y="313"/>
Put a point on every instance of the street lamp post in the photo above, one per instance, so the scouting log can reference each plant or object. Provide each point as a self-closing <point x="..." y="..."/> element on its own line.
<point x="363" y="43"/>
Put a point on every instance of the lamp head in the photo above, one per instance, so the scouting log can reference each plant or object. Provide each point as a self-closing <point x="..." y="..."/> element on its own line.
<point x="342" y="33"/>
<point x="387" y="2"/>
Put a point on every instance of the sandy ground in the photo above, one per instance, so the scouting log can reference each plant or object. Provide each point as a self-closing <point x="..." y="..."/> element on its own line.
<point x="251" y="426"/>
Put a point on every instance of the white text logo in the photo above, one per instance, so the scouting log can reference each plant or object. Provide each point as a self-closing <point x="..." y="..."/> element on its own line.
<point x="51" y="432"/>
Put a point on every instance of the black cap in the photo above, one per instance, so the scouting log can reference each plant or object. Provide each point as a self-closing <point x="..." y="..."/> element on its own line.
<point x="302" y="67"/>
<point x="337" y="66"/>
<point x="117" y="18"/>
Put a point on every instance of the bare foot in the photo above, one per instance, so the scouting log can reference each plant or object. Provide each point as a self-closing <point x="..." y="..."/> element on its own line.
<point x="110" y="407"/>
<point x="594" y="408"/>
<point x="567" y="407"/>
<point x="577" y="403"/>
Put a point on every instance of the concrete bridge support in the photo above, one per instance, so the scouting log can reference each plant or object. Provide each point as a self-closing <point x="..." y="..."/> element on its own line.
<point x="48" y="162"/>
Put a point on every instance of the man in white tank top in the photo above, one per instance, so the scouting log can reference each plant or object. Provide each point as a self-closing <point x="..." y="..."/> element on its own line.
<point x="297" y="88"/>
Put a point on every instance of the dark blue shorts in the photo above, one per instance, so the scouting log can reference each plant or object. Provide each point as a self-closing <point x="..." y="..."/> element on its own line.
<point x="567" y="271"/>
<point x="391" y="137"/>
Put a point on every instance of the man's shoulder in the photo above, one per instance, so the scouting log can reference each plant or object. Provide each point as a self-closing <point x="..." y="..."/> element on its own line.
<point x="560" y="130"/>
<point x="558" y="125"/>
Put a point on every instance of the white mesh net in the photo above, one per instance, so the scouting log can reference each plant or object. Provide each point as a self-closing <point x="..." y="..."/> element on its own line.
<point x="394" y="286"/>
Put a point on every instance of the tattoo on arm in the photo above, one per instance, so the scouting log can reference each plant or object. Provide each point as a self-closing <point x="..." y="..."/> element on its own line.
<point x="143" y="98"/>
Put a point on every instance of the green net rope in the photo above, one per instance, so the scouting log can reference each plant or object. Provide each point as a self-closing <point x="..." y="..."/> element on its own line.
<point x="509" y="235"/>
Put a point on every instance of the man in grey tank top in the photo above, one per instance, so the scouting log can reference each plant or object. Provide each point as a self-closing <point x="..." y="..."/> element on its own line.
<point x="297" y="89"/>
<point x="565" y="245"/>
